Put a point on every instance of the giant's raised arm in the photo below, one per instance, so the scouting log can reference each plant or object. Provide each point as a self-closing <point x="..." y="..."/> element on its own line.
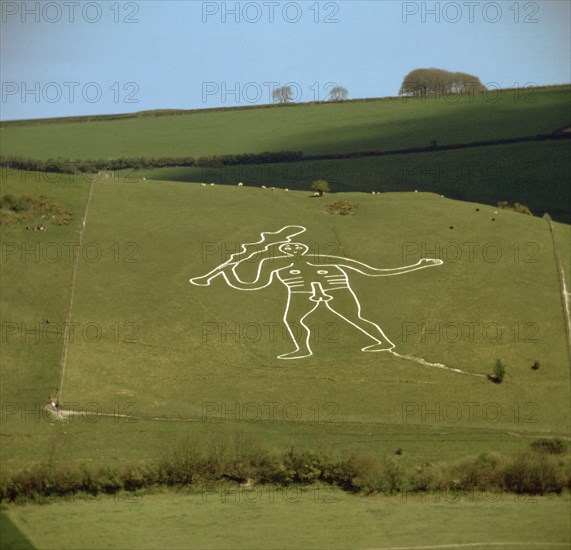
<point x="263" y="249"/>
<point x="365" y="269"/>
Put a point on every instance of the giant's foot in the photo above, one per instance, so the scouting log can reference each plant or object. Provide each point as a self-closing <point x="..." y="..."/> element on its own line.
<point x="297" y="354"/>
<point x="381" y="346"/>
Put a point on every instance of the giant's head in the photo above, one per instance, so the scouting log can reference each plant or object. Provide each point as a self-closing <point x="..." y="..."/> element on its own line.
<point x="294" y="249"/>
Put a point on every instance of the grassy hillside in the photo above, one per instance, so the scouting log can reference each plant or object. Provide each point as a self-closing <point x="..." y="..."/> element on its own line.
<point x="165" y="348"/>
<point x="169" y="361"/>
<point x="313" y="129"/>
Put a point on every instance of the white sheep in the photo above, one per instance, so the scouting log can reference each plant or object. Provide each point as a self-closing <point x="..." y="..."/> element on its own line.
<point x="203" y="184"/>
<point x="286" y="189"/>
<point x="316" y="195"/>
<point x="264" y="187"/>
<point x="240" y="184"/>
<point x="212" y="184"/>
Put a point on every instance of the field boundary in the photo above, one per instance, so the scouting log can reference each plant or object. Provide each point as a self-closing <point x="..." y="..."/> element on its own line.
<point x="557" y="135"/>
<point x="86" y="165"/>
<point x="178" y="112"/>
<point x="67" y="324"/>
<point x="562" y="284"/>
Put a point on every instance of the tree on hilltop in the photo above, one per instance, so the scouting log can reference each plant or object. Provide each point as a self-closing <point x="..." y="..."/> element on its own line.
<point x="338" y="93"/>
<point x="283" y="94"/>
<point x="424" y="82"/>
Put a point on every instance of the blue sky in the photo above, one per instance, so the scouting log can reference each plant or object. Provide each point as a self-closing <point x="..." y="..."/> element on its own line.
<point x="77" y="58"/>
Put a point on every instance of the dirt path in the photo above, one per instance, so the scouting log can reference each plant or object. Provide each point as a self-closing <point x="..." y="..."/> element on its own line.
<point x="71" y="293"/>
<point x="426" y="363"/>
<point x="564" y="290"/>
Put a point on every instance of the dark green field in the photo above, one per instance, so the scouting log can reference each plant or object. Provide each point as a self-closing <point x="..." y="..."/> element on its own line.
<point x="534" y="174"/>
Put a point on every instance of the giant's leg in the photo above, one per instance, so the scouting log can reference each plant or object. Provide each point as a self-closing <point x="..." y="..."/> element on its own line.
<point x="346" y="305"/>
<point x="298" y="308"/>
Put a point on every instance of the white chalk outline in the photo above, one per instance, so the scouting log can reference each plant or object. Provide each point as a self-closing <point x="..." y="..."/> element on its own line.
<point x="318" y="293"/>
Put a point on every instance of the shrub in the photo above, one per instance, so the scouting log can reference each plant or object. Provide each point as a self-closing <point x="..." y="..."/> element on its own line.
<point x="27" y="207"/>
<point x="481" y="472"/>
<point x="301" y="467"/>
<point x="365" y="471"/>
<point x="393" y="476"/>
<point x="425" y="477"/>
<point x="534" y="470"/>
<point x="344" y="208"/>
<point x="554" y="446"/>
<point x="72" y="166"/>
<point x="7" y="202"/>
<point x="245" y="459"/>
<point x="499" y="372"/>
<point x="534" y="473"/>
<point x="181" y="464"/>
<point x="522" y="208"/>
<point x="516" y="207"/>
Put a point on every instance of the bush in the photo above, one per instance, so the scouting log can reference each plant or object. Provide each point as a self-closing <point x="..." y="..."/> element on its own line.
<point x="241" y="459"/>
<point x="534" y="473"/>
<point x="344" y="208"/>
<point x="301" y="467"/>
<point x="426" y="477"/>
<point x="365" y="471"/>
<point x="181" y="464"/>
<point x="499" y="372"/>
<point x="7" y="202"/>
<point x="27" y="207"/>
<point x="72" y="166"/>
<point x="554" y="446"/>
<point x="516" y="207"/>
<point x="481" y="472"/>
<point x="393" y="476"/>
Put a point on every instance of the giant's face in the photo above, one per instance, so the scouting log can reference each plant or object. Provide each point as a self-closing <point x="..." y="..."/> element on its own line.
<point x="294" y="249"/>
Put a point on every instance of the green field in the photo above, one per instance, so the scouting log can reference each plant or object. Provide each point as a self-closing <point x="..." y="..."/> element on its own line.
<point x="314" y="129"/>
<point x="271" y="519"/>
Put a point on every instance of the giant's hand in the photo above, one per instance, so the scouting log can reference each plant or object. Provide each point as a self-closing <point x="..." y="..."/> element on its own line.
<point x="200" y="281"/>
<point x="204" y="280"/>
<point x="427" y="262"/>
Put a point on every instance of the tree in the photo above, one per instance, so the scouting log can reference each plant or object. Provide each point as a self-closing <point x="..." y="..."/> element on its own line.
<point x="283" y="94"/>
<point x="423" y="82"/>
<point x="338" y="93"/>
<point x="320" y="186"/>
